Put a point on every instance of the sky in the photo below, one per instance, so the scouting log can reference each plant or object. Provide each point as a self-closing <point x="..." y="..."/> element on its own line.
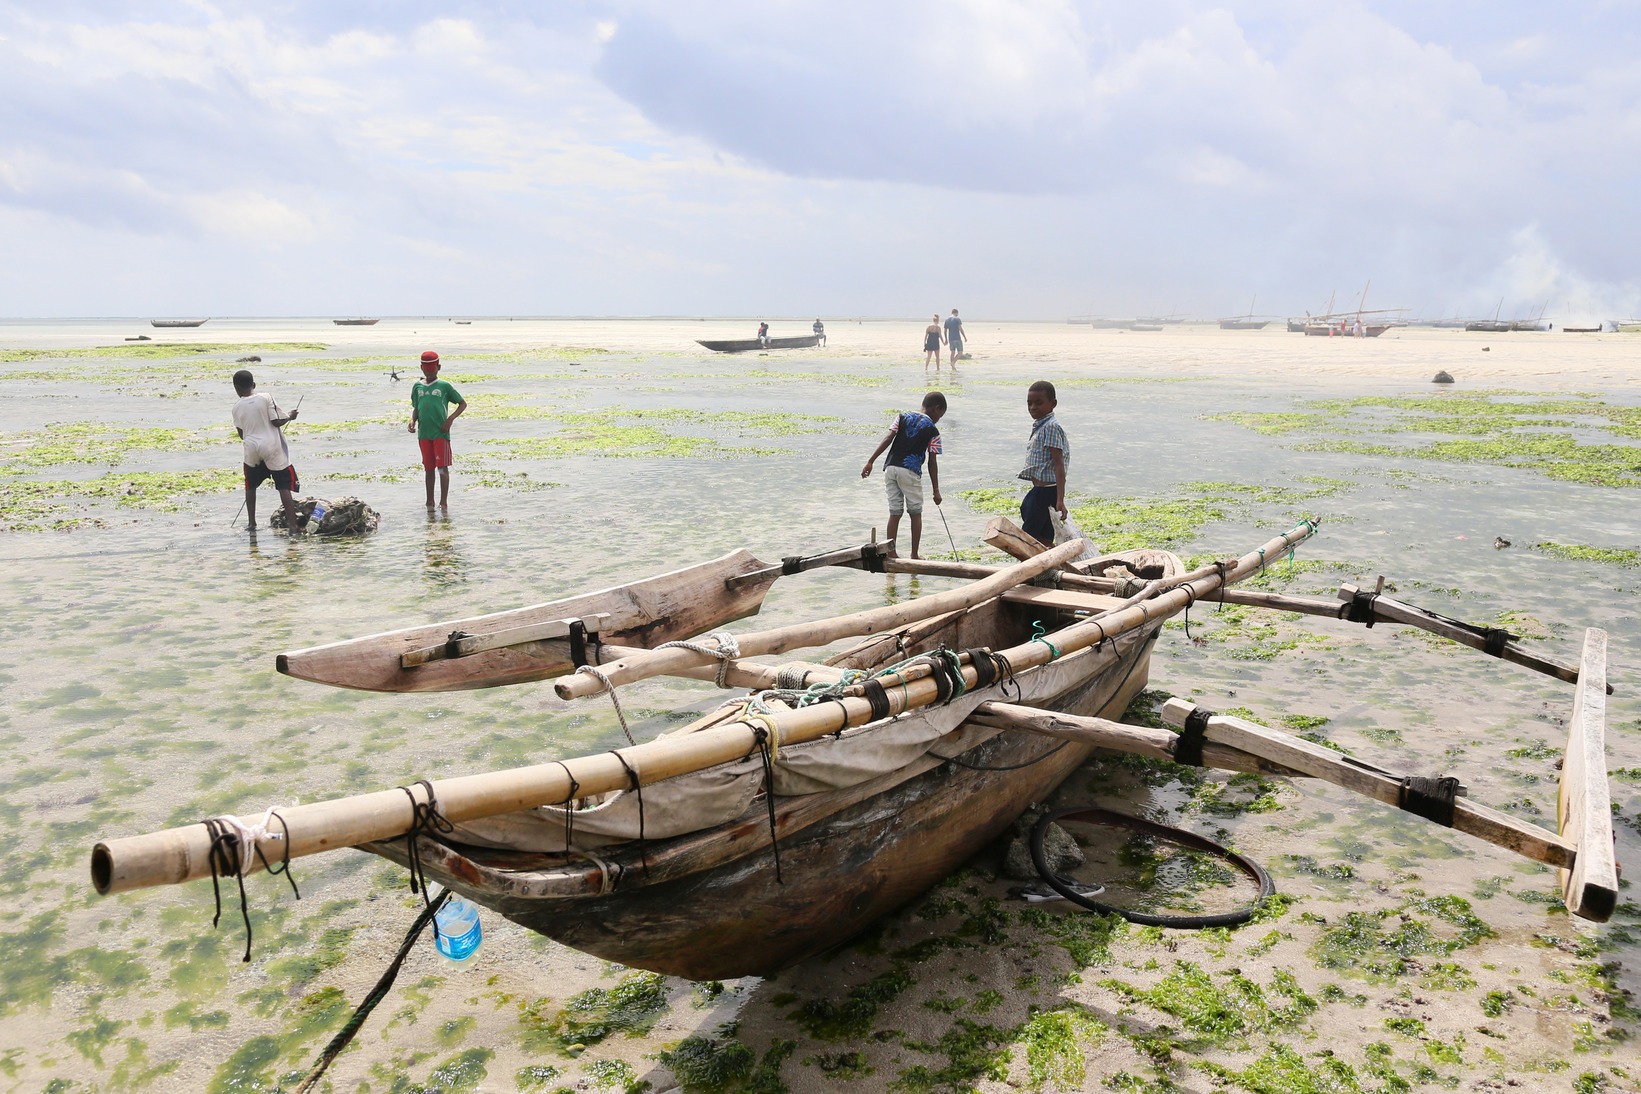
<point x="1019" y="160"/>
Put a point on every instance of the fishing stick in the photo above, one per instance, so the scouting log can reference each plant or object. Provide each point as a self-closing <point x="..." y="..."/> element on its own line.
<point x="942" y="513"/>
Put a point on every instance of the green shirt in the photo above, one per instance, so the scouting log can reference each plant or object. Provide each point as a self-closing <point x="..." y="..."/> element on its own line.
<point x="432" y="403"/>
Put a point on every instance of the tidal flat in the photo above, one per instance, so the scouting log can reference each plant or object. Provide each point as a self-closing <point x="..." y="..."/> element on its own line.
<point x="138" y="691"/>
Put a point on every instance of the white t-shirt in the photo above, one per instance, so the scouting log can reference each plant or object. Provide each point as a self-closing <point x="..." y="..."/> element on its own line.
<point x="254" y="416"/>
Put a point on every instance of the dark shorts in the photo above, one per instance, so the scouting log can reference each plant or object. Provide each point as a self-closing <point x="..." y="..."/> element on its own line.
<point x="956" y="342"/>
<point x="283" y="479"/>
<point x="931" y="342"/>
<point x="435" y="453"/>
<point x="1034" y="514"/>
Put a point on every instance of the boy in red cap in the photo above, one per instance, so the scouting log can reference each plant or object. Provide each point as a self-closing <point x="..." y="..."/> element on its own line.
<point x="430" y="418"/>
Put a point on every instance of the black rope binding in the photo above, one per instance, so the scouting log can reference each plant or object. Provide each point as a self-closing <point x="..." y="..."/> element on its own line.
<point x="792" y="564"/>
<point x="1188" y="746"/>
<point x="632" y="777"/>
<point x="1494" y="639"/>
<point x="1361" y="608"/>
<point x="1429" y="798"/>
<point x="1190" y="598"/>
<point x="871" y="559"/>
<point x="345" y="1035"/>
<point x="875" y="695"/>
<point x="425" y="819"/>
<point x="224" y="859"/>
<point x="452" y="643"/>
<point x="569" y="805"/>
<point x="760" y="735"/>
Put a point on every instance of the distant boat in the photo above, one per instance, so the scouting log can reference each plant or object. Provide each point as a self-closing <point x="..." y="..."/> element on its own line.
<point x="1490" y="326"/>
<point x="1144" y="326"/>
<point x="356" y="322"/>
<point x="178" y="322"/>
<point x="1583" y="330"/>
<point x="746" y="345"/>
<point x="1345" y="328"/>
<point x="1245" y="322"/>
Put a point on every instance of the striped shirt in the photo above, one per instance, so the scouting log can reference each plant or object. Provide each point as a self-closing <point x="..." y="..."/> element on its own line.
<point x="1045" y="434"/>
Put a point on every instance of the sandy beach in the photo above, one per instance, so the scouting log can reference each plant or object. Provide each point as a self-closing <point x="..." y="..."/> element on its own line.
<point x="139" y="692"/>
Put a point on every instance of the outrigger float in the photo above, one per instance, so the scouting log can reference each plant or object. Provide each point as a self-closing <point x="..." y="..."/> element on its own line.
<point x="792" y="817"/>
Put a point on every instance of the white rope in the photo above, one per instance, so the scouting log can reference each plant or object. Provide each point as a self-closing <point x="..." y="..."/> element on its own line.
<point x="250" y="835"/>
<point x="725" y="651"/>
<point x="598" y="674"/>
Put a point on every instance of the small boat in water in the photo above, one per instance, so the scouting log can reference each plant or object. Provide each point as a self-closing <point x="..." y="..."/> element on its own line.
<point x="796" y="814"/>
<point x="356" y="322"/>
<point x="178" y="322"/>
<point x="750" y="345"/>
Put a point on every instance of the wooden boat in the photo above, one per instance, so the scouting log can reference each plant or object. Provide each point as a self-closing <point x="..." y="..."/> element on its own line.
<point x="790" y="819"/>
<point x="178" y="322"/>
<point x="356" y="322"/>
<point x="1243" y="324"/>
<point x="1345" y="328"/>
<point x="748" y="345"/>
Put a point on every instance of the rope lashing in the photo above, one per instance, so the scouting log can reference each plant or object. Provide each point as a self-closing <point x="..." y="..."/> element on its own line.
<point x="598" y="674"/>
<point x="425" y="819"/>
<point x="792" y="564"/>
<point x="1190" y="598"/>
<point x="1188" y="746"/>
<point x="766" y="737"/>
<point x="1039" y="634"/>
<point x="638" y="788"/>
<point x="569" y="805"/>
<point x="1361" y="608"/>
<point x="877" y="697"/>
<point x="871" y="559"/>
<point x="1220" y="566"/>
<point x="726" y="650"/>
<point x="1494" y="639"/>
<point x="578" y="645"/>
<point x="791" y="677"/>
<point x="225" y="859"/>
<point x="1430" y="798"/>
<point x="452" y="643"/>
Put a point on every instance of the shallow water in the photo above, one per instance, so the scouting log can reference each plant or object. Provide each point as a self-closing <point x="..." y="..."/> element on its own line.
<point x="139" y="691"/>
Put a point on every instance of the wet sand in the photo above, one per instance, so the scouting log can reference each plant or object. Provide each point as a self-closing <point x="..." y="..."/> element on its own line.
<point x="139" y="692"/>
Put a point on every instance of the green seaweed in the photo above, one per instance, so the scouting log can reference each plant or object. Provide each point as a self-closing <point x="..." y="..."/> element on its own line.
<point x="1054" y="1041"/>
<point x="852" y="1018"/>
<point x="1577" y="552"/>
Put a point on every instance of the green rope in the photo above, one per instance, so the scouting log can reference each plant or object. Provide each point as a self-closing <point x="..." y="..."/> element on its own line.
<point x="1037" y="635"/>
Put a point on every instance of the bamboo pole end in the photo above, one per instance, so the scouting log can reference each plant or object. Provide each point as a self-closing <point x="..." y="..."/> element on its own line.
<point x="102" y="869"/>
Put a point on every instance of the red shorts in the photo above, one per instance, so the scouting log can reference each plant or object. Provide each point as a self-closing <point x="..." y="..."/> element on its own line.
<point x="435" y="453"/>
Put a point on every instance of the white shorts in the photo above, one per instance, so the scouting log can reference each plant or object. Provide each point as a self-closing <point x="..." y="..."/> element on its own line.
<point x="905" y="490"/>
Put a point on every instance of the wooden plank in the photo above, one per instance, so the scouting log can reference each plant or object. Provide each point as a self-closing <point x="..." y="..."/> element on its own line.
<point x="1584" y="801"/>
<point x="1060" y="598"/>
<point x="498" y="640"/>
<point x="1008" y="537"/>
<point x="1487" y="824"/>
<point x="1155" y="743"/>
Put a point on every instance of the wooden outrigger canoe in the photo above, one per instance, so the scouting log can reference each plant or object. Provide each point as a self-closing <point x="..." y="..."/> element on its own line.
<point x="751" y="345"/>
<point x="975" y="684"/>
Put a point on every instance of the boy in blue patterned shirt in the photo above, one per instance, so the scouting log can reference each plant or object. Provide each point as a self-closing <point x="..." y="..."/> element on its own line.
<point x="1048" y="454"/>
<point x="910" y="439"/>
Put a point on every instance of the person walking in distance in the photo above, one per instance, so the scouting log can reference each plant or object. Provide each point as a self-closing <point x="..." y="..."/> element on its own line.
<point x="430" y="401"/>
<point x="931" y="343"/>
<point x="954" y="336"/>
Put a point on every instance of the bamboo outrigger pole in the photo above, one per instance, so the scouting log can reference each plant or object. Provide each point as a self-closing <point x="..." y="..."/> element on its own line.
<point x="819" y="632"/>
<point x="183" y="854"/>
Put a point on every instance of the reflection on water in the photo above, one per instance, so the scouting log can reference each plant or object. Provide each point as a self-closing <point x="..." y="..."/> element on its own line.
<point x="140" y="691"/>
<point x="444" y="567"/>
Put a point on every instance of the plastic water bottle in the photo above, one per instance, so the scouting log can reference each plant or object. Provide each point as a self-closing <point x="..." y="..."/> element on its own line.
<point x="460" y="932"/>
<point x="316" y="516"/>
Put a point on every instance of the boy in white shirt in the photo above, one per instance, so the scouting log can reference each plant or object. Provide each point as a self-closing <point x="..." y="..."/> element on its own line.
<point x="257" y="420"/>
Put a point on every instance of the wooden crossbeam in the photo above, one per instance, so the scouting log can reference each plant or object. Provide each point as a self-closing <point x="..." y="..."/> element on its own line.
<point x="495" y="640"/>
<point x="1495" y="827"/>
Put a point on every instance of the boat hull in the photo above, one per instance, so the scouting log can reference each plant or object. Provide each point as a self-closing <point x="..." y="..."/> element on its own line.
<point x="356" y="322"/>
<point x="709" y="905"/>
<point x="750" y="345"/>
<point x="177" y="322"/>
